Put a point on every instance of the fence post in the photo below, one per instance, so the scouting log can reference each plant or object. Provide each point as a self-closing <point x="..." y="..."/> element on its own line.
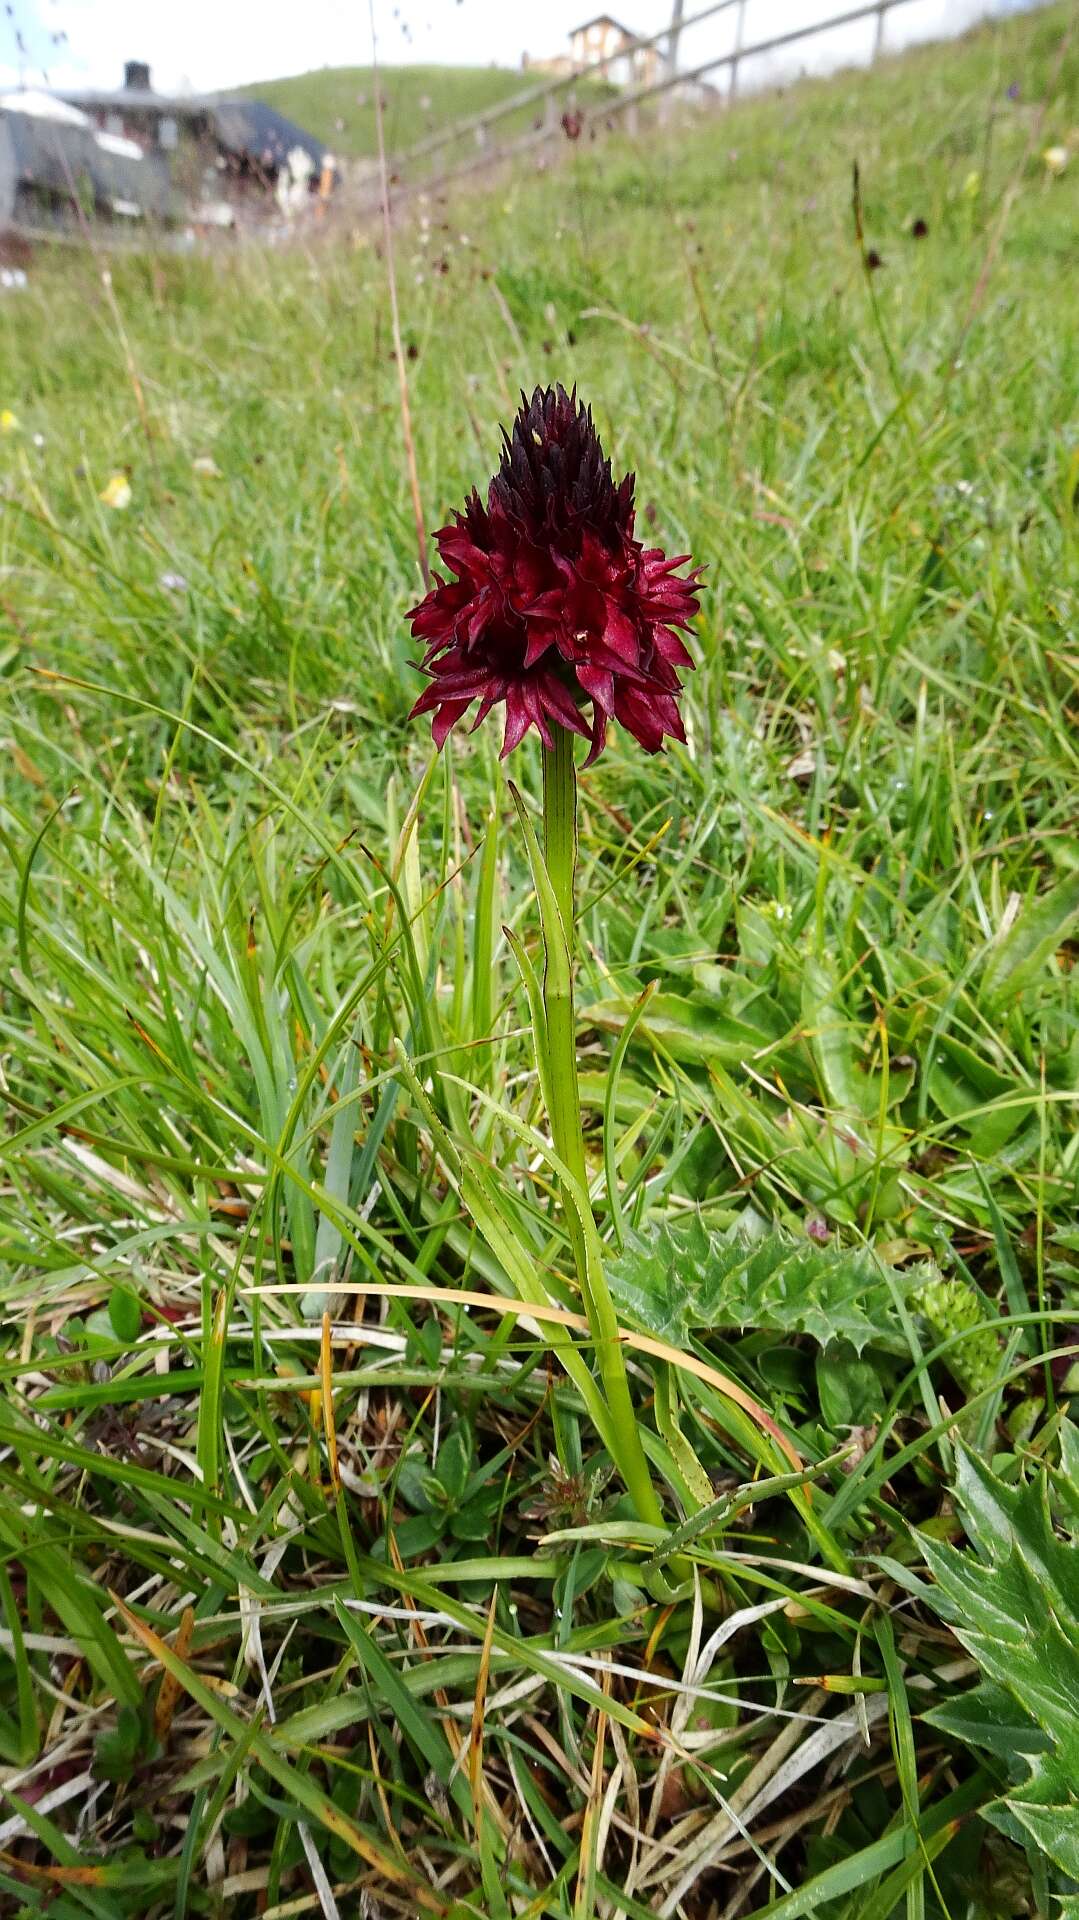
<point x="874" y="11"/>
<point x="878" y="41"/>
<point x="739" y="36"/>
<point x="677" y="14"/>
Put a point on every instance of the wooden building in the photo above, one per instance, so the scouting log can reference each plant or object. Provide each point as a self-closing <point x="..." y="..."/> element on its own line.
<point x="226" y="158"/>
<point x="57" y="169"/>
<point x="604" y="38"/>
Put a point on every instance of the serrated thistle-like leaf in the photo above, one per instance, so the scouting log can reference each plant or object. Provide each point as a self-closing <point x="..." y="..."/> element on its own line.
<point x="678" y="1280"/>
<point x="1012" y="1600"/>
<point x="987" y="1716"/>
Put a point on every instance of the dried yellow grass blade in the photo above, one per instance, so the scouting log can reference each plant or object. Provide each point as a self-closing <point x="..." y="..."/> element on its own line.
<point x="560" y="1317"/>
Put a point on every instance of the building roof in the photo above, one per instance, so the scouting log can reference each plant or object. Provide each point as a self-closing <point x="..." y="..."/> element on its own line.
<point x="247" y="128"/>
<point x="603" y="20"/>
<point x="42" y="106"/>
<point x="259" y="133"/>
<point x="139" y="100"/>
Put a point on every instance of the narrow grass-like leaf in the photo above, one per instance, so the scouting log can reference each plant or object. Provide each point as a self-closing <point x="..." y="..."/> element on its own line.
<point x="296" y="1783"/>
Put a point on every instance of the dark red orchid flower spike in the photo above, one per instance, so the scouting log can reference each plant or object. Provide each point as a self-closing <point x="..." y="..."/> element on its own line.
<point x="554" y="606"/>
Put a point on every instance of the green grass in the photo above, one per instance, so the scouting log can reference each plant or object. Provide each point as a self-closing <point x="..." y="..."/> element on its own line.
<point x="338" y="103"/>
<point x="260" y="1025"/>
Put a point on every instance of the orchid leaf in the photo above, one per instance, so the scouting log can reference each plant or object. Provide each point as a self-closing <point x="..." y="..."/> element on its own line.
<point x="1016" y="961"/>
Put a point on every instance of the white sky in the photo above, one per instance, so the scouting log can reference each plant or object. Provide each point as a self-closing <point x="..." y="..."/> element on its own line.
<point x="221" y="43"/>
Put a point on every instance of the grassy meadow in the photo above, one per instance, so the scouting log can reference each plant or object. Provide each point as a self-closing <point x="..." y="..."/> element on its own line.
<point x="338" y="103"/>
<point x="351" y="1614"/>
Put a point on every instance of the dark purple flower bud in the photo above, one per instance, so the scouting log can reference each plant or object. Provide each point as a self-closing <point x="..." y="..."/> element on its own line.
<point x="554" y="605"/>
<point x="919" y="228"/>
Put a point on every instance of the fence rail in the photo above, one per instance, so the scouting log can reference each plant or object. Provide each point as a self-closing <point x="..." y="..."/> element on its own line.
<point x="628" y="100"/>
<point x="546" y="90"/>
<point x="879" y="8"/>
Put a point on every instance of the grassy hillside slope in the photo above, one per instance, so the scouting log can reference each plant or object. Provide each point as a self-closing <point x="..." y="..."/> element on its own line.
<point x="337" y="103"/>
<point x="363" y="1621"/>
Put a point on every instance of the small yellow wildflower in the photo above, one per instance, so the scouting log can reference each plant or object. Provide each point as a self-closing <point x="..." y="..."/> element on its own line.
<point x="118" y="492"/>
<point x="8" y="421"/>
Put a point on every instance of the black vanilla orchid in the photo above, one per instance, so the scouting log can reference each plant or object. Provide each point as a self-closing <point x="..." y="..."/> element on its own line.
<point x="554" y="605"/>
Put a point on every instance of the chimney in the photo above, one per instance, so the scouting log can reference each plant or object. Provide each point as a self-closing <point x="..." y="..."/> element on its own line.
<point x="136" y="76"/>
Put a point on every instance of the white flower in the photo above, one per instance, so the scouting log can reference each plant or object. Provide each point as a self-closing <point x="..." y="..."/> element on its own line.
<point x="1056" y="159"/>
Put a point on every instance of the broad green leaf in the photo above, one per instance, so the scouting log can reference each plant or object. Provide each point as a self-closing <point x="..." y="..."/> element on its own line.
<point x="988" y="1104"/>
<point x="125" y="1314"/>
<point x="829" y="1033"/>
<point x="1016" y="960"/>
<point x="697" y="1031"/>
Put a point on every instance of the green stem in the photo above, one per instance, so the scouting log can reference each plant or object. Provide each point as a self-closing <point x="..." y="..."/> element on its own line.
<point x="560" y="855"/>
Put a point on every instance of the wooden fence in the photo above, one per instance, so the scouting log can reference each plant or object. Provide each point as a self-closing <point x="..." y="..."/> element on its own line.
<point x="408" y="167"/>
